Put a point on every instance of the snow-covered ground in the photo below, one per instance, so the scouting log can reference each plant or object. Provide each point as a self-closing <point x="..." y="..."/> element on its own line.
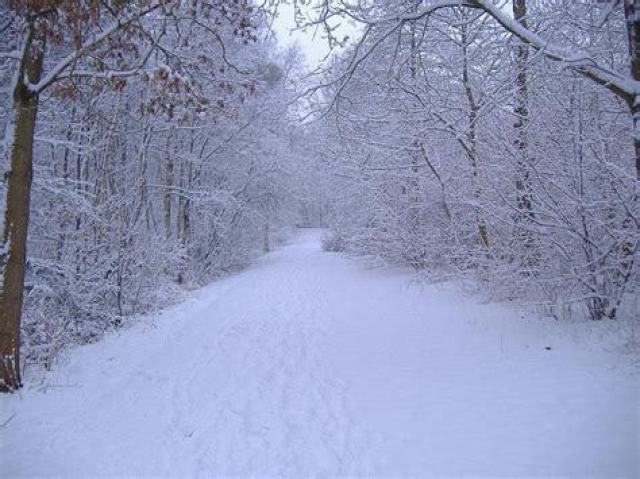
<point x="310" y="364"/>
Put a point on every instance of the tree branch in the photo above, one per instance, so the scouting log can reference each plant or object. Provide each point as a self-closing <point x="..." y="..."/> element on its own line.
<point x="54" y="74"/>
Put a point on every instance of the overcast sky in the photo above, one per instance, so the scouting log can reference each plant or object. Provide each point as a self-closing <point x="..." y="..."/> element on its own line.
<point x="315" y="47"/>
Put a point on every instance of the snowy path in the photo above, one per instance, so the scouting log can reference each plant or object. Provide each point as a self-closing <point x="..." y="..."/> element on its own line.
<point x="309" y="364"/>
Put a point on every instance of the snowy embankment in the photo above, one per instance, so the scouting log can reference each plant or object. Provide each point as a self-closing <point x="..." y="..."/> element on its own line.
<point x="311" y="364"/>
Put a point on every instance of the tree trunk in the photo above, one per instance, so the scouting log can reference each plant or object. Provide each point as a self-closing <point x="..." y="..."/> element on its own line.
<point x="632" y="17"/>
<point x="13" y="250"/>
<point x="186" y="222"/>
<point x="266" y="247"/>
<point x="521" y="111"/>
<point x="168" y="186"/>
<point x="472" y="140"/>
<point x="414" y="211"/>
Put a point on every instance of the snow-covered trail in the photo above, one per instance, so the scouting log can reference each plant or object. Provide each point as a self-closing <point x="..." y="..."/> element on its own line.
<point x="309" y="364"/>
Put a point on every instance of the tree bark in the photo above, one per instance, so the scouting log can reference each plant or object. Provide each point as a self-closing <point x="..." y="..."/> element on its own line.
<point x="186" y="221"/>
<point x="632" y="17"/>
<point x="13" y="250"/>
<point x="472" y="139"/>
<point x="169" y="185"/>
<point x="266" y="247"/>
<point x="521" y="111"/>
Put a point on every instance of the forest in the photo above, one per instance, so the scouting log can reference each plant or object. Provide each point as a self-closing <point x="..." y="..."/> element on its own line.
<point x="170" y="141"/>
<point x="493" y="144"/>
<point x="219" y="257"/>
<point x="153" y="146"/>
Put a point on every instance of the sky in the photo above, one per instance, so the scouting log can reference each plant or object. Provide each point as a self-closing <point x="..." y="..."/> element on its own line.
<point x="312" y="42"/>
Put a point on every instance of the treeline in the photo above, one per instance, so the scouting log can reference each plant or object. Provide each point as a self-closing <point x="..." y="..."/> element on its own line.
<point x="162" y="158"/>
<point x="466" y="151"/>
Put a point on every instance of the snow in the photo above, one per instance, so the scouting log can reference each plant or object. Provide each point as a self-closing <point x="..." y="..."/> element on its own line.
<point x="311" y="364"/>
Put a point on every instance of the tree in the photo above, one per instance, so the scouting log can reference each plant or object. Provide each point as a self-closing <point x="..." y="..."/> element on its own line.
<point x="564" y="235"/>
<point x="387" y="22"/>
<point x="524" y="200"/>
<point x="64" y="44"/>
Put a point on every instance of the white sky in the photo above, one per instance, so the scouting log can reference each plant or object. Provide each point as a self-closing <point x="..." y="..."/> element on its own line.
<point x="315" y="48"/>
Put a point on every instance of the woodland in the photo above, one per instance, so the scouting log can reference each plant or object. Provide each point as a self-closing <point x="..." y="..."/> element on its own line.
<point x="153" y="146"/>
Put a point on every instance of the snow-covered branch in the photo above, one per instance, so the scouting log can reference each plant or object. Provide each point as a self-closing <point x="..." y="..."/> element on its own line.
<point x="56" y="71"/>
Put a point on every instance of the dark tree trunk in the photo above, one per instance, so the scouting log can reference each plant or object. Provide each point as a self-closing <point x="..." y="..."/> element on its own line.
<point x="521" y="111"/>
<point x="169" y="185"/>
<point x="632" y="17"/>
<point x="13" y="250"/>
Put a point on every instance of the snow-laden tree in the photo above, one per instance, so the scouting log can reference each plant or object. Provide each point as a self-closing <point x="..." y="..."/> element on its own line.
<point x="461" y="152"/>
<point x="155" y="132"/>
<point x="386" y="20"/>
